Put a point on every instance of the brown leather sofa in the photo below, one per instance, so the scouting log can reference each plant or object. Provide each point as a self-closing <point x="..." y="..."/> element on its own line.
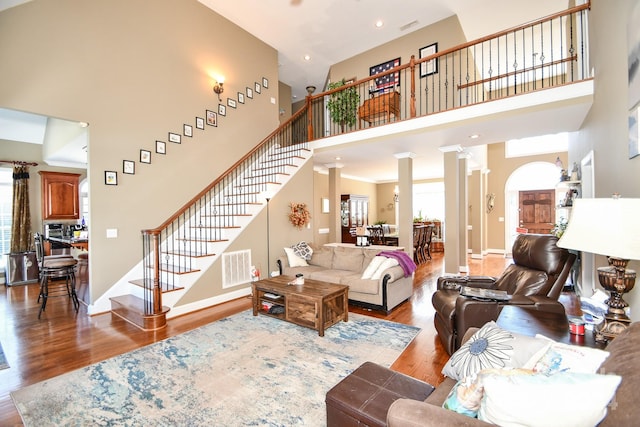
<point x="535" y="280"/>
<point x="362" y="402"/>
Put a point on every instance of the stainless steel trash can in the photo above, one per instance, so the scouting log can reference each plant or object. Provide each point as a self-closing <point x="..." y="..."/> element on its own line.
<point x="22" y="268"/>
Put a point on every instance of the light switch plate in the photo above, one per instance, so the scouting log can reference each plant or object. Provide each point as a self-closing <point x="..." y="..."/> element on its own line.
<point x="112" y="233"/>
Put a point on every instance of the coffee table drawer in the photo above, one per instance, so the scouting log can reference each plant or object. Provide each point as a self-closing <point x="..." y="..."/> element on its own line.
<point x="302" y="311"/>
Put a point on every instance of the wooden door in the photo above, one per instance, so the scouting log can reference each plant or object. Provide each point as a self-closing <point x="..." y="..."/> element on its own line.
<point x="537" y="210"/>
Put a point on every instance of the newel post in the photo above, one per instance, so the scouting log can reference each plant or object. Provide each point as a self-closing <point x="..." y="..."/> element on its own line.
<point x="309" y="118"/>
<point x="157" y="293"/>
<point x="412" y="103"/>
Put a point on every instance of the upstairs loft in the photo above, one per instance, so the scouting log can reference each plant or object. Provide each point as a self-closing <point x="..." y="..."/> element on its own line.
<point x="530" y="80"/>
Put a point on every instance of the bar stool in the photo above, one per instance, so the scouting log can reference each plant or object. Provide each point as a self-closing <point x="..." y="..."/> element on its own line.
<point x="56" y="268"/>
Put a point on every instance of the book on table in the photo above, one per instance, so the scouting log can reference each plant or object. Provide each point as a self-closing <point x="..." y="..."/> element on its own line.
<point x="482" y="293"/>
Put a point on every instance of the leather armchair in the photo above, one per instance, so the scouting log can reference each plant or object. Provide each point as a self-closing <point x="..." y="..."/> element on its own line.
<point x="535" y="280"/>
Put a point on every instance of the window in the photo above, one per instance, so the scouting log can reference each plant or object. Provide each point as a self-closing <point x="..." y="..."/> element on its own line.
<point x="428" y="200"/>
<point x="6" y="201"/>
<point x="84" y="201"/>
<point x="543" y="144"/>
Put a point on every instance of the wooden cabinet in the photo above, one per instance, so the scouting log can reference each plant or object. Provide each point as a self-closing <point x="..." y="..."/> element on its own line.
<point x="354" y="212"/>
<point x="381" y="106"/>
<point x="60" y="196"/>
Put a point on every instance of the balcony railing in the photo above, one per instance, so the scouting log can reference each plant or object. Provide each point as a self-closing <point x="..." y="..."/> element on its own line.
<point x="545" y="53"/>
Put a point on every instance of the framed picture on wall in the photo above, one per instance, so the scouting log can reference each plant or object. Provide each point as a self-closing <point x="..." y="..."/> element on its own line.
<point x="212" y="118"/>
<point x="111" y="177"/>
<point x="428" y="67"/>
<point x="199" y="123"/>
<point x="257" y="87"/>
<point x="187" y="130"/>
<point x="249" y="93"/>
<point x="174" y="137"/>
<point x="389" y="81"/>
<point x="129" y="167"/>
<point x="241" y="97"/>
<point x="222" y="110"/>
<point x="161" y="147"/>
<point x="231" y="103"/>
<point x="145" y="156"/>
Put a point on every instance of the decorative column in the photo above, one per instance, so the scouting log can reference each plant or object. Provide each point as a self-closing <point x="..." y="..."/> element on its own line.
<point x="405" y="200"/>
<point x="335" y="191"/>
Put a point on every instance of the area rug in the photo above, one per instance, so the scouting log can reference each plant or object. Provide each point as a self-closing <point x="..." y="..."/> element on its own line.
<point x="242" y="370"/>
<point x="3" y="359"/>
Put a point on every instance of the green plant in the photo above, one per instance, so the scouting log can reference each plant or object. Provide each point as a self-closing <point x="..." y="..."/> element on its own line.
<point x="380" y="222"/>
<point x="343" y="104"/>
<point x="559" y="227"/>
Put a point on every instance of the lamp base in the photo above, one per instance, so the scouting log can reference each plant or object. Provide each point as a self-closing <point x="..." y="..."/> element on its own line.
<point x="611" y="327"/>
<point x="617" y="280"/>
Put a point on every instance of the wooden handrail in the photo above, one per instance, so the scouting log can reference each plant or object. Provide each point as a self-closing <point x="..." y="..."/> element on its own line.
<point x="19" y="162"/>
<point x="524" y="70"/>
<point x="197" y="197"/>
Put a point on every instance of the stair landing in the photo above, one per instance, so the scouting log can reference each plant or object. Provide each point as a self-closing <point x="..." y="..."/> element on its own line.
<point x="131" y="309"/>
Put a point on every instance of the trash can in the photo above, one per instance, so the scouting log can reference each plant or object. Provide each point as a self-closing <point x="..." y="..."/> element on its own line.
<point x="22" y="268"/>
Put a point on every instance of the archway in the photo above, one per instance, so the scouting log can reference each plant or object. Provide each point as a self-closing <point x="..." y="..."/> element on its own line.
<point x="531" y="176"/>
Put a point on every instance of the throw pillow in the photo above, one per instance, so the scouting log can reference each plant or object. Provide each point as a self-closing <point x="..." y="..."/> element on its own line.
<point x="569" y="358"/>
<point x="387" y="263"/>
<point x="541" y="400"/>
<point x="295" y="260"/>
<point x="303" y="250"/>
<point x="373" y="266"/>
<point x="492" y="347"/>
<point x="466" y="396"/>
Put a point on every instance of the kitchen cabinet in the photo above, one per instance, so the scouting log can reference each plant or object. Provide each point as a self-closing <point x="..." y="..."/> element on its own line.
<point x="60" y="195"/>
<point x="354" y="212"/>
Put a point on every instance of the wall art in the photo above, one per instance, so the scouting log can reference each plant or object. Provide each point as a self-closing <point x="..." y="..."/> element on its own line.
<point x="249" y="93"/>
<point x="222" y="110"/>
<point x="428" y="67"/>
<point x="265" y="83"/>
<point x="241" y="97"/>
<point x="231" y="103"/>
<point x="187" y="130"/>
<point x="212" y="118"/>
<point x="145" y="156"/>
<point x="199" y="123"/>
<point x="129" y="167"/>
<point x="387" y="82"/>
<point x="161" y="147"/>
<point x="257" y="87"/>
<point x="174" y="137"/>
<point x="111" y="177"/>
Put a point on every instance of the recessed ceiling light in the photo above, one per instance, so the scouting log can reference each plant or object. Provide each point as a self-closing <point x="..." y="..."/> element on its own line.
<point x="474" y="136"/>
<point x="307" y="57"/>
<point x="338" y="158"/>
<point x="379" y="23"/>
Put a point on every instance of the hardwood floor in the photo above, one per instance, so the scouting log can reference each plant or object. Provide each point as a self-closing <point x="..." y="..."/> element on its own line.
<point x="62" y="341"/>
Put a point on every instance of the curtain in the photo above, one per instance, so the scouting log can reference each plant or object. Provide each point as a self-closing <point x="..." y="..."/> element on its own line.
<point x="21" y="239"/>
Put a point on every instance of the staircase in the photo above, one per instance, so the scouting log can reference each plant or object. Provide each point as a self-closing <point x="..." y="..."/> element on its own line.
<point x="181" y="249"/>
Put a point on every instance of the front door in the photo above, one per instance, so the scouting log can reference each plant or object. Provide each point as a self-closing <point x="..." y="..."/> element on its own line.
<point x="537" y="210"/>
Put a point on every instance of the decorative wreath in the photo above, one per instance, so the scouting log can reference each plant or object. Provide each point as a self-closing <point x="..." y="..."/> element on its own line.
<point x="299" y="215"/>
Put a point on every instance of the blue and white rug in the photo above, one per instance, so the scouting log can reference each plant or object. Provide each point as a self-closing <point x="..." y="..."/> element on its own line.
<point x="3" y="360"/>
<point x="242" y="370"/>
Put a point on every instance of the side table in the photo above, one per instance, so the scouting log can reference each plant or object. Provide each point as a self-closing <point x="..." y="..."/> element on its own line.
<point x="550" y="324"/>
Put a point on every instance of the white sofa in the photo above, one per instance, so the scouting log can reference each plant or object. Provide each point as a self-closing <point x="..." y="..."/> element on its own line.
<point x="345" y="264"/>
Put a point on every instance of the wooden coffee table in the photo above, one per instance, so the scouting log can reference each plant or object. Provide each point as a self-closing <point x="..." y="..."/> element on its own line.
<point x="316" y="305"/>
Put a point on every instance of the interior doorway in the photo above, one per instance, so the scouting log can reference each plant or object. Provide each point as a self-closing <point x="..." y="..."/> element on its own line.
<point x="529" y="177"/>
<point x="537" y="210"/>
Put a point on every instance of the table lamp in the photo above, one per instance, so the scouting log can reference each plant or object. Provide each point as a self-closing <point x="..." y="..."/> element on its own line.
<point x="608" y="227"/>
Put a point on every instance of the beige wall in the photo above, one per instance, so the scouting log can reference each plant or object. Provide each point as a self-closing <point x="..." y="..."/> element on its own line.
<point x="447" y="33"/>
<point x="135" y="73"/>
<point x="605" y="130"/>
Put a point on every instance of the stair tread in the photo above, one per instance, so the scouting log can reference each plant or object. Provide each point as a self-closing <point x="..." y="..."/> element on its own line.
<point x="192" y="254"/>
<point x="164" y="287"/>
<point x="215" y="226"/>
<point x="185" y="239"/>
<point x="177" y="269"/>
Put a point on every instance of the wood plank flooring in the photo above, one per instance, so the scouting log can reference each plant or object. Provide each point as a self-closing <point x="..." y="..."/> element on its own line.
<point x="62" y="341"/>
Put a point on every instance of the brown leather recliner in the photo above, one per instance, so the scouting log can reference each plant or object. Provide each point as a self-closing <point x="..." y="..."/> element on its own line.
<point x="535" y="280"/>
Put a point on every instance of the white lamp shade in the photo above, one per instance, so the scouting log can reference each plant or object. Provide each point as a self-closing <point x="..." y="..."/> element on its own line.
<point x="607" y="227"/>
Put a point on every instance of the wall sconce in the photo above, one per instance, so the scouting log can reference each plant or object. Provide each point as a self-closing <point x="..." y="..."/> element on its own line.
<point x="396" y="195"/>
<point x="218" y="87"/>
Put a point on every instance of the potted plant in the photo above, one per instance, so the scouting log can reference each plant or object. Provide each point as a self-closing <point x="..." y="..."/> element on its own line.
<point x="343" y="104"/>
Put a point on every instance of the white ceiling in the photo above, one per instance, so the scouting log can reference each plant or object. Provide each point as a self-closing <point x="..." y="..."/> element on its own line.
<point x="330" y="31"/>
